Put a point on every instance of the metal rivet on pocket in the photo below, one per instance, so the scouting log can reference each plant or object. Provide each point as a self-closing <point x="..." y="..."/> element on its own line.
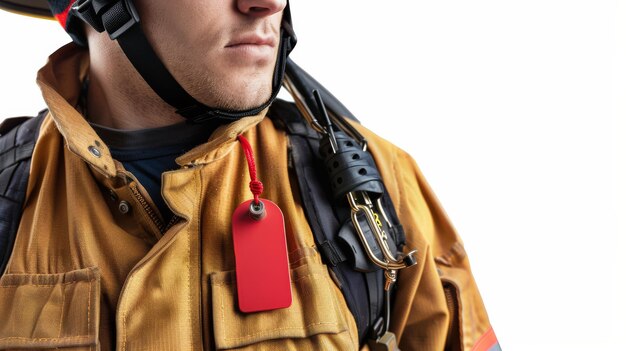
<point x="95" y="151"/>
<point x="124" y="207"/>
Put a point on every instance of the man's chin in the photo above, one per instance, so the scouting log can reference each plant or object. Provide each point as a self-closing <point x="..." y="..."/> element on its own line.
<point x="235" y="102"/>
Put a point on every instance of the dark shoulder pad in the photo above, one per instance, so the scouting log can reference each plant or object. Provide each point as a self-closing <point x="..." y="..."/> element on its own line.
<point x="17" y="142"/>
<point x="9" y="123"/>
<point x="17" y="139"/>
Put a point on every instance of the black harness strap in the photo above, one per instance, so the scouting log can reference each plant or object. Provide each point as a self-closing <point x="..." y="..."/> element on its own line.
<point x="17" y="142"/>
<point x="325" y="225"/>
<point x="361" y="282"/>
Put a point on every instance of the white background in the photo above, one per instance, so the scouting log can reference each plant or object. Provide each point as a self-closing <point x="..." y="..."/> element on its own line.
<point x="515" y="112"/>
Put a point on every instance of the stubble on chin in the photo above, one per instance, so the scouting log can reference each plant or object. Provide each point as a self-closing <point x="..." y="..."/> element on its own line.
<point x="226" y="90"/>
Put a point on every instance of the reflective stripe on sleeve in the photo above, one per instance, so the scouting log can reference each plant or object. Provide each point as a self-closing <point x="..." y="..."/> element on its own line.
<point x="487" y="342"/>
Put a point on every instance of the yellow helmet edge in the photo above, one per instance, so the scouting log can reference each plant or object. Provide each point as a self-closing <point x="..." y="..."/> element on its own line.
<point x="36" y="9"/>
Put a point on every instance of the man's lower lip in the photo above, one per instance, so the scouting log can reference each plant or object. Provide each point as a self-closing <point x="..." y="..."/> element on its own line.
<point x="250" y="50"/>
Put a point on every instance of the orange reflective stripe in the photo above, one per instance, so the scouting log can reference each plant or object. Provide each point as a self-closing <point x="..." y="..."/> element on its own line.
<point x="487" y="342"/>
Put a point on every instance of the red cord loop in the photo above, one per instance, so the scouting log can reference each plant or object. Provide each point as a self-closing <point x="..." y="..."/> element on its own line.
<point x="256" y="187"/>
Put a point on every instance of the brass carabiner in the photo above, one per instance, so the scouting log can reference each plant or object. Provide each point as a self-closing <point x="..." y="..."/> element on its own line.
<point x="390" y="262"/>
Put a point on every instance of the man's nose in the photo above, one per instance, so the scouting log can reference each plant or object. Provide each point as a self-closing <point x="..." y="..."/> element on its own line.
<point x="261" y="8"/>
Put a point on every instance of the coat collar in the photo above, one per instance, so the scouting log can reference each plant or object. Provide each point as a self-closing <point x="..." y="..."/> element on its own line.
<point x="60" y="81"/>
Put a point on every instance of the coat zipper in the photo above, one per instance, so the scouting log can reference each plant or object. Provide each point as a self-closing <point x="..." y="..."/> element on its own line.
<point x="171" y="223"/>
<point x="151" y="213"/>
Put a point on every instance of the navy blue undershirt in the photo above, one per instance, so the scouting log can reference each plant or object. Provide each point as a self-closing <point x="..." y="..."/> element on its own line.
<point x="147" y="153"/>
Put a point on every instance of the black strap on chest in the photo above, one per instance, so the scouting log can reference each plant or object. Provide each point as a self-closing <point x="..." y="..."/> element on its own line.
<point x="361" y="282"/>
<point x="17" y="141"/>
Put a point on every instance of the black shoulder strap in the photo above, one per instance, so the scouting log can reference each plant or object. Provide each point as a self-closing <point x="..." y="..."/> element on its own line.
<point x="306" y="84"/>
<point x="361" y="285"/>
<point x="17" y="142"/>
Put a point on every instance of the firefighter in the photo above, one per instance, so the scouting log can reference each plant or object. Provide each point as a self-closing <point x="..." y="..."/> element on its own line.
<point x="167" y="199"/>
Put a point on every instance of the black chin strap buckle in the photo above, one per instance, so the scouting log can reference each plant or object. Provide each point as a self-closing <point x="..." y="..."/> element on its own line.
<point x="114" y="17"/>
<point x="119" y="18"/>
<point x="84" y="10"/>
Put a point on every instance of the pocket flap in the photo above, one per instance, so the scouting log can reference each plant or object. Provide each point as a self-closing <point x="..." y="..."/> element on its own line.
<point x="314" y="310"/>
<point x="50" y="310"/>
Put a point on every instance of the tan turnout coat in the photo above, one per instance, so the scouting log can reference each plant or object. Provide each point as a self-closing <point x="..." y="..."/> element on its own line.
<point x="85" y="275"/>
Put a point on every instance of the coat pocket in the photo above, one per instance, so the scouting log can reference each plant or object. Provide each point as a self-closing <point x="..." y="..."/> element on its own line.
<point x="468" y="320"/>
<point x="313" y="321"/>
<point x="41" y="311"/>
<point x="453" y="341"/>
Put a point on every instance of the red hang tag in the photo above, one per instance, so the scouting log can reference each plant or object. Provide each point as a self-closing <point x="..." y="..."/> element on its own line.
<point x="261" y="259"/>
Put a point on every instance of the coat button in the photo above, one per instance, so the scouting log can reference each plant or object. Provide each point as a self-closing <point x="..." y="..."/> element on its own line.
<point x="94" y="151"/>
<point x="124" y="207"/>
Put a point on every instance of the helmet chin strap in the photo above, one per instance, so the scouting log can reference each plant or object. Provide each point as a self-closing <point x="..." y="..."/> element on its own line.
<point x="120" y="20"/>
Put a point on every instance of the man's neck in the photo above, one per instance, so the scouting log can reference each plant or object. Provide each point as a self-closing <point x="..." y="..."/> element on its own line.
<point x="127" y="104"/>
